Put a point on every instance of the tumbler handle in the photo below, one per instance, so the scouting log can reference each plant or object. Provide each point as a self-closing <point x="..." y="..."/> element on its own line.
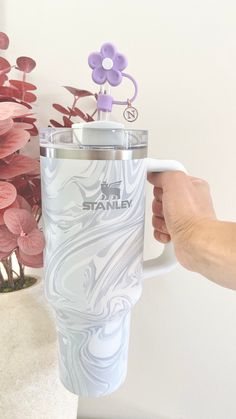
<point x="167" y="260"/>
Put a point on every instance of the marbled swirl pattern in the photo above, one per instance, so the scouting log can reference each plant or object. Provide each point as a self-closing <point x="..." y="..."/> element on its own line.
<point x="93" y="266"/>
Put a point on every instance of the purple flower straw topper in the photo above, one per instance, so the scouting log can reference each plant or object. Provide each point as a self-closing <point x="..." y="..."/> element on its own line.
<point x="107" y="65"/>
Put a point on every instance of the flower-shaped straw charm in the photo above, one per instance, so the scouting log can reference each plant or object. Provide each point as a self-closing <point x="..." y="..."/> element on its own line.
<point x="107" y="65"/>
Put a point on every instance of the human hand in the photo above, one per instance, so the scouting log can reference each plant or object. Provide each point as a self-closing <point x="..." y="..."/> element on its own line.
<point x="181" y="206"/>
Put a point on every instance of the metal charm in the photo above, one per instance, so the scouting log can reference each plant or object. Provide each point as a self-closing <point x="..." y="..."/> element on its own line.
<point x="130" y="113"/>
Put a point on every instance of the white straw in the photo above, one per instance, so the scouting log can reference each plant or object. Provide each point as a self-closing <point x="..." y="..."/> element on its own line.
<point x="104" y="89"/>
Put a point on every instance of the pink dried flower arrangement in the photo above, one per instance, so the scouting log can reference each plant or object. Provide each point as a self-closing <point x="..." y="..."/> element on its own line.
<point x="20" y="194"/>
<point x="20" y="199"/>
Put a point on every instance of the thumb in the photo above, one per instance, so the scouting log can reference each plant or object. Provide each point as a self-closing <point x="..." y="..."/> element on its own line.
<point x="156" y="179"/>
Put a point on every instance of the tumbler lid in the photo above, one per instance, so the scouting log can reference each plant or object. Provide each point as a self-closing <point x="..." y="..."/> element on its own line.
<point x="98" y="135"/>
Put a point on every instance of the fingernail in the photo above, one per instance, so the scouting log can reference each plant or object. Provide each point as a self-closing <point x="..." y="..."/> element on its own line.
<point x="164" y="238"/>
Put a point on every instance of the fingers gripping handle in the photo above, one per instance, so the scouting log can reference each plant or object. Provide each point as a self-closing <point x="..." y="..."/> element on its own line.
<point x="167" y="260"/>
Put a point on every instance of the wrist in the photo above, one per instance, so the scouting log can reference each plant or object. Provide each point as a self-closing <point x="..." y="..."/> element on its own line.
<point x="191" y="245"/>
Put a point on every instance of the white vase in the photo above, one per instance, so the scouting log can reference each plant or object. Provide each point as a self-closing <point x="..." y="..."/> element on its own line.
<point x="29" y="382"/>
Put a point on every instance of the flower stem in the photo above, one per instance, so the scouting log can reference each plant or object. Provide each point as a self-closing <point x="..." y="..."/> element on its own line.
<point x="94" y="113"/>
<point x="1" y="279"/>
<point x="21" y="273"/>
<point x="23" y="89"/>
<point x="73" y="105"/>
<point x="8" y="268"/>
<point x="12" y="284"/>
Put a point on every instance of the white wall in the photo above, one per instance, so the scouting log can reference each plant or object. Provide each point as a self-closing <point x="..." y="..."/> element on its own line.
<point x="183" y="53"/>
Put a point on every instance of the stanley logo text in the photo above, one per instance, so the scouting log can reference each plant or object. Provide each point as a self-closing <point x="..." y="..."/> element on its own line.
<point x="110" y="198"/>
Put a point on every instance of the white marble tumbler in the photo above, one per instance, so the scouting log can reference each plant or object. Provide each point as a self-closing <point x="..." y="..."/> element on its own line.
<point x="93" y="195"/>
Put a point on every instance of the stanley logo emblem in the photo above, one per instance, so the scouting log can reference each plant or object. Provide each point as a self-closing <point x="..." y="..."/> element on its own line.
<point x="110" y="198"/>
<point x="111" y="191"/>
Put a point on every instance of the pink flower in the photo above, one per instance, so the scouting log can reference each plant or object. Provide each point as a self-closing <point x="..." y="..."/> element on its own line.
<point x="18" y="165"/>
<point x="20" y="202"/>
<point x="7" y="194"/>
<point x="7" y="198"/>
<point x="4" y="41"/>
<point x="19" y="173"/>
<point x="21" y="233"/>
<point x="10" y="199"/>
<point x="13" y="136"/>
<point x="12" y="110"/>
